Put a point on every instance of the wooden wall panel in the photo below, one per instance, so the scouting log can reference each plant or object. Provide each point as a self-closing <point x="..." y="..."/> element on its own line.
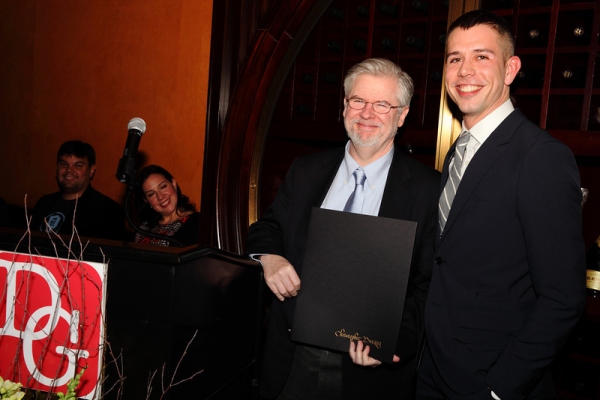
<point x="308" y="113"/>
<point x="247" y="110"/>
<point x="82" y="70"/>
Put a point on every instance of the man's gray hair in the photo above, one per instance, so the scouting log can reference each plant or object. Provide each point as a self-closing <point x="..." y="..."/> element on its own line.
<point x="381" y="67"/>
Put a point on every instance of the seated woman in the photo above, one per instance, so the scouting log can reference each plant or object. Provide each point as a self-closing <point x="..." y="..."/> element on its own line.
<point x="164" y="210"/>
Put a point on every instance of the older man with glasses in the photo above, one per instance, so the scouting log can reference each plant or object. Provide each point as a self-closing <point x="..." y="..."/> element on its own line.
<point x="377" y="100"/>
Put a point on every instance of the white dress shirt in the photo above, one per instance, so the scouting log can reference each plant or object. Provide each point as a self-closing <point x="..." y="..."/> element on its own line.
<point x="482" y="130"/>
<point x="343" y="184"/>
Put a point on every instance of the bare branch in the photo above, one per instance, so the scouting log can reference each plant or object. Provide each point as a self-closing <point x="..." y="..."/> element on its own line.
<point x="172" y="383"/>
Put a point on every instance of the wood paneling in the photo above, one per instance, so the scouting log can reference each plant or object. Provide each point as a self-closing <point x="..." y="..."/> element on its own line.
<point x="281" y="29"/>
<point x="82" y="70"/>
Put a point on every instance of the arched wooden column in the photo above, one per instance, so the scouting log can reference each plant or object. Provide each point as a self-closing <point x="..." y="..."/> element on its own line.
<point x="287" y="26"/>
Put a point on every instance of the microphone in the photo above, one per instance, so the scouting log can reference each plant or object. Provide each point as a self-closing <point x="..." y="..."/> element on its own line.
<point x="126" y="169"/>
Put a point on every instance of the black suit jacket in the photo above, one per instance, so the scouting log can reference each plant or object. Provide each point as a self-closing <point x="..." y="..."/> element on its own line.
<point x="508" y="282"/>
<point x="411" y="193"/>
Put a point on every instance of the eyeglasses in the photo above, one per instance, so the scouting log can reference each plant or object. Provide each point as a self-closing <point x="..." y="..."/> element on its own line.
<point x="379" y="107"/>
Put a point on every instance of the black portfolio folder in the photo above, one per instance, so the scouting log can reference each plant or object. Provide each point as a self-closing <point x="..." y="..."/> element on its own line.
<point x="354" y="279"/>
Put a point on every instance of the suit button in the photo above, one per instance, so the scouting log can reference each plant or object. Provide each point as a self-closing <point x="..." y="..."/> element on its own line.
<point x="438" y="260"/>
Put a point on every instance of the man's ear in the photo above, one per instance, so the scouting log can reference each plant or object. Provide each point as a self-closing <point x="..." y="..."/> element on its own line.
<point x="403" y="115"/>
<point x="92" y="171"/>
<point x="513" y="65"/>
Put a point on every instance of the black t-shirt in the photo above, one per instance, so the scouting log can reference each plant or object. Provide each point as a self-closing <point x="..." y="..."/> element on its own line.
<point x="59" y="214"/>
<point x="94" y="215"/>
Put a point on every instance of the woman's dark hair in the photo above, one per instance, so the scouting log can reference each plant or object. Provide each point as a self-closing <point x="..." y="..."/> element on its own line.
<point x="145" y="212"/>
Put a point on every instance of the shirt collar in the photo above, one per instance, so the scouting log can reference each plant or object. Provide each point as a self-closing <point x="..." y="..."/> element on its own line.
<point x="374" y="171"/>
<point x="484" y="128"/>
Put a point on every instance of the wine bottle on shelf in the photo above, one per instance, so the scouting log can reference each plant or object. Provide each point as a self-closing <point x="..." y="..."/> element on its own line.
<point x="363" y="11"/>
<point x="387" y="9"/>
<point x="388" y="43"/>
<point x="592" y="280"/>
<point x="533" y="78"/>
<point x="587" y="331"/>
<point x="574" y="76"/>
<point x="360" y="45"/>
<point x="537" y="37"/>
<point x="592" y="303"/>
<point x="421" y="6"/>
<point x="415" y="42"/>
<point x="335" y="46"/>
<point x="581" y="34"/>
<point x="336" y="13"/>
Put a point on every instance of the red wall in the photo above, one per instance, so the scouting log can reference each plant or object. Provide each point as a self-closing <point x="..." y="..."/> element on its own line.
<point x="72" y="69"/>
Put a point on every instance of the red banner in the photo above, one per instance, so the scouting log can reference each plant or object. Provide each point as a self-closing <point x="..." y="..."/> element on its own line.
<point x="51" y="322"/>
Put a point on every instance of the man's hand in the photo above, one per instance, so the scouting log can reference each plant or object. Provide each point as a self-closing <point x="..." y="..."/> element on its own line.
<point x="359" y="353"/>
<point x="280" y="275"/>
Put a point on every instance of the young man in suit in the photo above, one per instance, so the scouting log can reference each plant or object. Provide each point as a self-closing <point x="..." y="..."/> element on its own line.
<point x="508" y="282"/>
<point x="377" y="98"/>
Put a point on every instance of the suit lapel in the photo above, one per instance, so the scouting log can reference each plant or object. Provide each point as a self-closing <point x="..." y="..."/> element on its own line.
<point x="322" y="178"/>
<point x="485" y="157"/>
<point x="393" y="203"/>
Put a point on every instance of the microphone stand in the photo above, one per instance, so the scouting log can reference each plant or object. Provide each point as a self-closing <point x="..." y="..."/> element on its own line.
<point x="140" y="230"/>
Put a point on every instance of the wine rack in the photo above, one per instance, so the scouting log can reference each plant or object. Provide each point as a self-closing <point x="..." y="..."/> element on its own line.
<point x="558" y="86"/>
<point x="557" y="42"/>
<point x="308" y="115"/>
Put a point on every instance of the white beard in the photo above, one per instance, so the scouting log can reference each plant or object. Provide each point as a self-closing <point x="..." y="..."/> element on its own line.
<point x="371" y="141"/>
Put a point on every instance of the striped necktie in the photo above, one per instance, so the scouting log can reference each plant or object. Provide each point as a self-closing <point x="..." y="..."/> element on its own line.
<point x="454" y="178"/>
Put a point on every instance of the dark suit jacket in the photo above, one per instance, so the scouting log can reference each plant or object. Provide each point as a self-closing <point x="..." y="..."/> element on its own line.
<point x="411" y="193"/>
<point x="508" y="282"/>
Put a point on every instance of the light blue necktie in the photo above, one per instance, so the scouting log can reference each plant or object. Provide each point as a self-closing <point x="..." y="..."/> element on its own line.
<point x="453" y="179"/>
<point x="357" y="198"/>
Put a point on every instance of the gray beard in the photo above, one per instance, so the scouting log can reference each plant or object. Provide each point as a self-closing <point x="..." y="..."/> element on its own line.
<point x="360" y="142"/>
